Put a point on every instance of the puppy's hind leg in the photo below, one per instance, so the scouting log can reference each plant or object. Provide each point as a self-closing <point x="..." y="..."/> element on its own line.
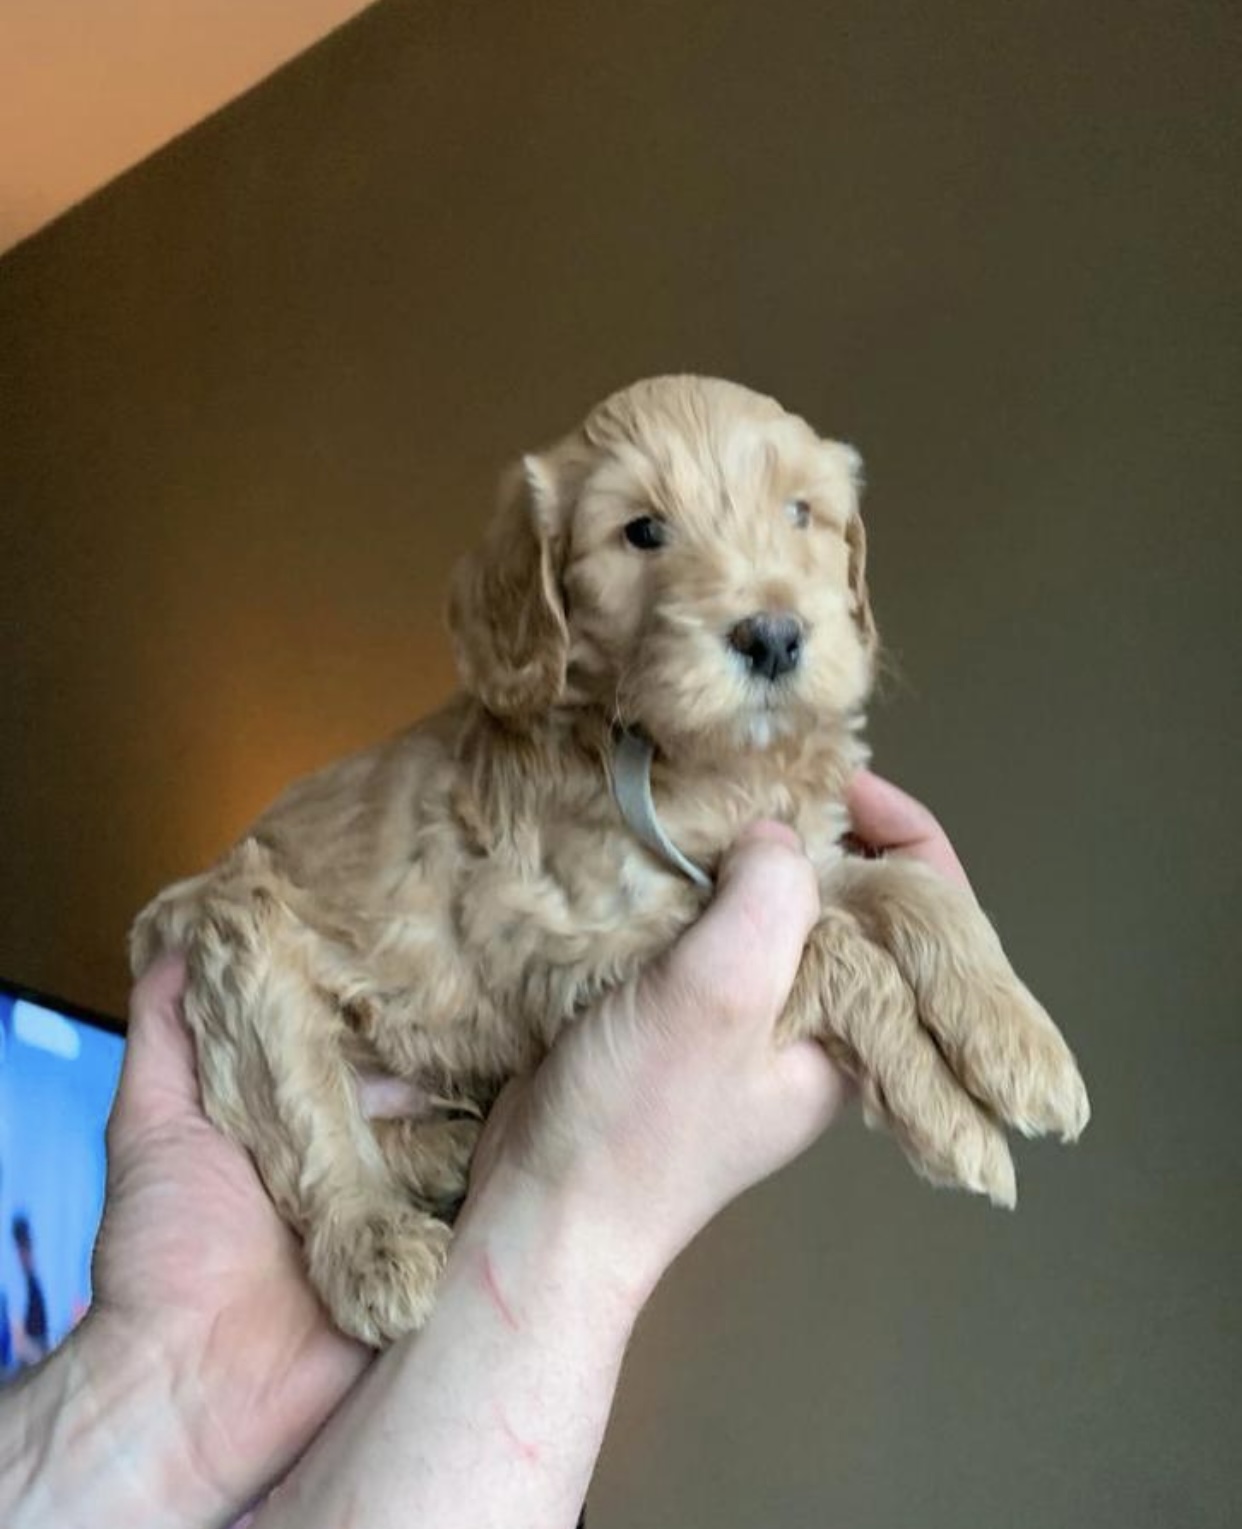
<point x="274" y="1076"/>
<point x="431" y="1157"/>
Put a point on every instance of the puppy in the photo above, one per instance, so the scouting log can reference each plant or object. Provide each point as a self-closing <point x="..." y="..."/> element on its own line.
<point x="665" y="635"/>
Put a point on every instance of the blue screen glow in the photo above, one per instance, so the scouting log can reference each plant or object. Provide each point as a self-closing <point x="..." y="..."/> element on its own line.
<point x="57" y="1078"/>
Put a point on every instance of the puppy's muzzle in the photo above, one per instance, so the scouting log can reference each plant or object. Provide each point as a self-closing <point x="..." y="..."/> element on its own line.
<point x="771" y="643"/>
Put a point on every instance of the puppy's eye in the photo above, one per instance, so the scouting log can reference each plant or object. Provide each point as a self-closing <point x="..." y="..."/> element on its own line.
<point x="646" y="533"/>
<point x="798" y="513"/>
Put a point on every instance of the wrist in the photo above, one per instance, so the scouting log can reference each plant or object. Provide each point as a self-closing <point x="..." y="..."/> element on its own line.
<point x="506" y="1389"/>
<point x="100" y="1434"/>
<point x="533" y="1242"/>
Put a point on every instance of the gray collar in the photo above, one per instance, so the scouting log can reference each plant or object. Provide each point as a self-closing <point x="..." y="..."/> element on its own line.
<point x="631" y="786"/>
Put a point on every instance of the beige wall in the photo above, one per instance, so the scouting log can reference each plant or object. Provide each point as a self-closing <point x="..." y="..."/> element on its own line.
<point x="254" y="399"/>
<point x="89" y="87"/>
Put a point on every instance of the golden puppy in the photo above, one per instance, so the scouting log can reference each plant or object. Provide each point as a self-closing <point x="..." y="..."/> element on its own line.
<point x="665" y="635"/>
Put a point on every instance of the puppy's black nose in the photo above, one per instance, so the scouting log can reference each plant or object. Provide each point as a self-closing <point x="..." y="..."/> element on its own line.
<point x="771" y="644"/>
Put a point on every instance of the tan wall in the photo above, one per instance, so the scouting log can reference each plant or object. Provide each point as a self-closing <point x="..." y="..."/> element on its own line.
<point x="89" y="87"/>
<point x="254" y="399"/>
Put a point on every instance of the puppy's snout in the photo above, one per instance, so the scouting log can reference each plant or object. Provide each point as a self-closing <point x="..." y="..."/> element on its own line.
<point x="770" y="643"/>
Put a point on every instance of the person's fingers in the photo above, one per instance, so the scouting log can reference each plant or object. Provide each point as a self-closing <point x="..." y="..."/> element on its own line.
<point x="885" y="819"/>
<point x="158" y="1079"/>
<point x="742" y="956"/>
<point x="884" y="816"/>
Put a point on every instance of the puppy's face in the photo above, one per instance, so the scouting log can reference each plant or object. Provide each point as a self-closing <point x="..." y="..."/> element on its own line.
<point x="693" y="564"/>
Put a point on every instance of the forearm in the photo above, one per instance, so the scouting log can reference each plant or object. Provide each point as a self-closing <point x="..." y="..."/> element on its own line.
<point x="494" y="1413"/>
<point x="97" y="1435"/>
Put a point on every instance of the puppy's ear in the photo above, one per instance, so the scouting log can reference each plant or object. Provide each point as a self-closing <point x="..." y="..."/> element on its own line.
<point x="505" y="613"/>
<point x="856" y="540"/>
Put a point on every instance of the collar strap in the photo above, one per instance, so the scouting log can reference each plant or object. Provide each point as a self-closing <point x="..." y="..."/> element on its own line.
<point x="631" y="786"/>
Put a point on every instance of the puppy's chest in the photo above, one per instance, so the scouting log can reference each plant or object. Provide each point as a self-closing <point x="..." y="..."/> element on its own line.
<point x="611" y="899"/>
<point x="703" y="817"/>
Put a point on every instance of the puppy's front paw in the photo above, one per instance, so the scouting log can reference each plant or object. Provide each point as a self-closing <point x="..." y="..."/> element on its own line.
<point x="377" y="1273"/>
<point x="994" y="1035"/>
<point x="853" y="997"/>
<point x="947" y="1138"/>
<point x="1012" y="1057"/>
<point x="907" y="1086"/>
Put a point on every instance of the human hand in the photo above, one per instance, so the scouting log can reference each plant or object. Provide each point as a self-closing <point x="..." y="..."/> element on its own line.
<point x="650" y="1113"/>
<point x="888" y="822"/>
<point x="195" y="1272"/>
<point x="671" y="1097"/>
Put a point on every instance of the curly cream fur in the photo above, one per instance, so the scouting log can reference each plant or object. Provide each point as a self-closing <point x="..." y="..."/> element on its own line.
<point x="438" y="907"/>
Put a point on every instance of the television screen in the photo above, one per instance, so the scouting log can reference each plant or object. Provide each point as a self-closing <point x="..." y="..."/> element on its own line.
<point x="59" y="1067"/>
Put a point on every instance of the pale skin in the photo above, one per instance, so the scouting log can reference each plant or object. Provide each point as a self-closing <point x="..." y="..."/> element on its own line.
<point x="207" y="1368"/>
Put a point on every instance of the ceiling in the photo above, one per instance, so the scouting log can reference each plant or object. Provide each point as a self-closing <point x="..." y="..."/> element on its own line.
<point x="90" y="87"/>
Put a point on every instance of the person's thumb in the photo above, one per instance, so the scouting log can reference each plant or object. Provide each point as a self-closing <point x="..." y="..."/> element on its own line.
<point x="742" y="956"/>
<point x="158" y="1080"/>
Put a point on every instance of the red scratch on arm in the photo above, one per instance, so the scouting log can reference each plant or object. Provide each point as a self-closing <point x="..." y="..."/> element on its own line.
<point x="529" y="1452"/>
<point x="497" y="1299"/>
